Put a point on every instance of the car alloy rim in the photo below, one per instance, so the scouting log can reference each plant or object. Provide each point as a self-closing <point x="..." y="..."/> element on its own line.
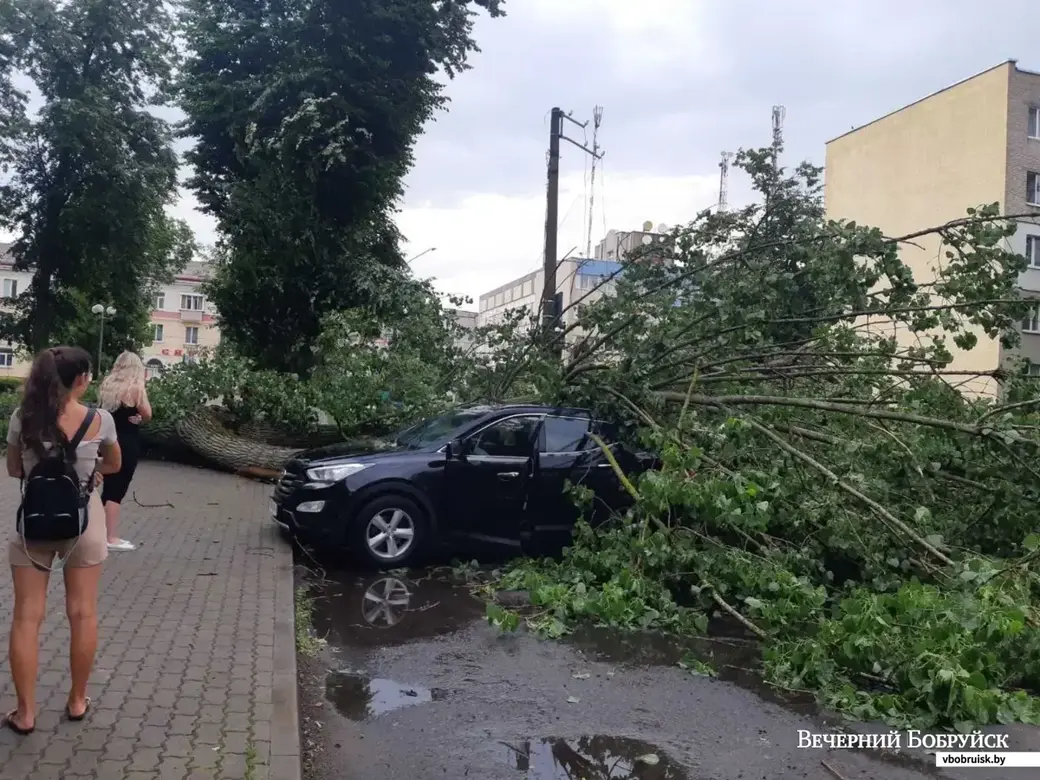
<point x="390" y="533"/>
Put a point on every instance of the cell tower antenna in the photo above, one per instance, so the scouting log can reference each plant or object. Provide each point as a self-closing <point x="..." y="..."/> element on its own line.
<point x="724" y="180"/>
<point x="597" y="117"/>
<point x="779" y="113"/>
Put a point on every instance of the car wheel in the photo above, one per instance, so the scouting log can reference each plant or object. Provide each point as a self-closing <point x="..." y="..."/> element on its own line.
<point x="389" y="531"/>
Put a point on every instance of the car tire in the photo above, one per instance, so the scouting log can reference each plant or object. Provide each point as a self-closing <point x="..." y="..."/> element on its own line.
<point x="389" y="531"/>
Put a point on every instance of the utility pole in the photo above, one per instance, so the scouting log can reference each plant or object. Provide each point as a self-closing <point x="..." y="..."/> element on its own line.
<point x="552" y="215"/>
<point x="552" y="218"/>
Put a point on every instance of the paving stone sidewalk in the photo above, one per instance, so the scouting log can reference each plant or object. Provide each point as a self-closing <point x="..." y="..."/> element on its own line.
<point x="196" y="668"/>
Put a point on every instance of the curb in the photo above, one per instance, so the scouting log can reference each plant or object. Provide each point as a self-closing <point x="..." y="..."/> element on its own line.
<point x="285" y="721"/>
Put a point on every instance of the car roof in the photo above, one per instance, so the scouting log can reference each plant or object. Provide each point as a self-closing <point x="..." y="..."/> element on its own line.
<point x="562" y="411"/>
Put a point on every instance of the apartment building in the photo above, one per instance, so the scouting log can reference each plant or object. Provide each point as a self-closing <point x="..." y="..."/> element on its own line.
<point x="12" y="284"/>
<point x="182" y="320"/>
<point x="973" y="143"/>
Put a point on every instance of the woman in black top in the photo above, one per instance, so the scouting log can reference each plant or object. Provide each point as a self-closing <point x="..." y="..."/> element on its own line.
<point x="123" y="394"/>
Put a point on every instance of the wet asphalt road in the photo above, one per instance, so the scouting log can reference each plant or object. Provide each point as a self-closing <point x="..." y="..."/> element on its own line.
<point x="414" y="684"/>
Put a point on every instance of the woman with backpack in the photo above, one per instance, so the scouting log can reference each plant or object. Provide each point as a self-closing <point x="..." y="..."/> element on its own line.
<point x="57" y="446"/>
<point x="122" y="393"/>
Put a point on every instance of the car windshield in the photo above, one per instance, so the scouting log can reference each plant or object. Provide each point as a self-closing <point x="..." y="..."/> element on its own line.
<point x="437" y="428"/>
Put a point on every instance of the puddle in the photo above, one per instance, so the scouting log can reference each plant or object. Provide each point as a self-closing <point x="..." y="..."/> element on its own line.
<point x="391" y="609"/>
<point x="733" y="659"/>
<point x="590" y="758"/>
<point x="360" y="698"/>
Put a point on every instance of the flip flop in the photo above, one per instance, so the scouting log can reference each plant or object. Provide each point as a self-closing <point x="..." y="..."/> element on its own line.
<point x="8" y="723"/>
<point x="81" y="716"/>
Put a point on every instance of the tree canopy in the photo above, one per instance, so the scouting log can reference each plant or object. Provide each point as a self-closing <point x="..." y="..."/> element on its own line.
<point x="92" y="169"/>
<point x="826" y="486"/>
<point x="304" y="114"/>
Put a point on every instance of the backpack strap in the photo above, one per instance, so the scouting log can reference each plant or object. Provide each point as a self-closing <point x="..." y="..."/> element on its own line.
<point x="70" y="450"/>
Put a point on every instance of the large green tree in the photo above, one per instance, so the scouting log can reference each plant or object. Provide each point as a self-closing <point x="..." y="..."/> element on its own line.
<point x="93" y="169"/>
<point x="304" y="114"/>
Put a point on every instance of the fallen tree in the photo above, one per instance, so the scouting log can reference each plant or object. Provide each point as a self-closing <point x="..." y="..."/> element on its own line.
<point x="834" y="482"/>
<point x="827" y="485"/>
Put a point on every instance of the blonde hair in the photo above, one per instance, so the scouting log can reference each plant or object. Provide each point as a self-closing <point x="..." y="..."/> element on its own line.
<point x="124" y="385"/>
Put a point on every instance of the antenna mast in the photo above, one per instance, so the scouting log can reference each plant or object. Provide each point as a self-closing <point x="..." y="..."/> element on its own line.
<point x="779" y="113"/>
<point x="724" y="180"/>
<point x="597" y="117"/>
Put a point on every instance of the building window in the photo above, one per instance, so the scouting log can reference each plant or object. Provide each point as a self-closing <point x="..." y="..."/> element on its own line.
<point x="191" y="335"/>
<point x="1033" y="251"/>
<point x="1034" y="121"/>
<point x="6" y="358"/>
<point x="160" y="301"/>
<point x="1033" y="189"/>
<point x="1031" y="324"/>
<point x="498" y="300"/>
<point x="10" y="288"/>
<point x="157" y="333"/>
<point x="1034" y="369"/>
<point x="528" y="287"/>
<point x="191" y="303"/>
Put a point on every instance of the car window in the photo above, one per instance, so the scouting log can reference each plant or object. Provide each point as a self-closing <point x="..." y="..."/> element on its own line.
<point x="513" y="437"/>
<point x="437" y="428"/>
<point x="566" y="434"/>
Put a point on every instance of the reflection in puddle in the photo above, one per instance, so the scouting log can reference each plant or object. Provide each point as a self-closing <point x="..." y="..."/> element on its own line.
<point x="388" y="610"/>
<point x="590" y="758"/>
<point x="385" y="602"/>
<point x="359" y="698"/>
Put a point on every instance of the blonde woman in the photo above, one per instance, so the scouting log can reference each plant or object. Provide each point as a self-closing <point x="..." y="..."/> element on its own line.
<point x="123" y="394"/>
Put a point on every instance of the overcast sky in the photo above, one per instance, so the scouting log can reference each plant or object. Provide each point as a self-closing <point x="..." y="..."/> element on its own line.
<point x="679" y="81"/>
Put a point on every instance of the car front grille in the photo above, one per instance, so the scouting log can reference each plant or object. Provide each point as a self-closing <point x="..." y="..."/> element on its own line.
<point x="291" y="479"/>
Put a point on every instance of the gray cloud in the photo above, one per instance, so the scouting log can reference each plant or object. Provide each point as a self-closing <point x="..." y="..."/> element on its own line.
<point x="673" y="101"/>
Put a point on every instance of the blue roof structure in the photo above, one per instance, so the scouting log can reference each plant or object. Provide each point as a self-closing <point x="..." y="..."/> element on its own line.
<point x="588" y="267"/>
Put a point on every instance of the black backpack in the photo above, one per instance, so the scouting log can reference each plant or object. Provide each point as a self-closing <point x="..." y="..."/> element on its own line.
<point x="54" y="503"/>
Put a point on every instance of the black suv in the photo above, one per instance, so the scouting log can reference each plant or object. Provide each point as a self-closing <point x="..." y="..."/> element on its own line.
<point x="494" y="474"/>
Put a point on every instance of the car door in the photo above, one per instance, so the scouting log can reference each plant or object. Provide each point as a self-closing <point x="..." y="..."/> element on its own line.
<point x="565" y="452"/>
<point x="599" y="474"/>
<point x="489" y="478"/>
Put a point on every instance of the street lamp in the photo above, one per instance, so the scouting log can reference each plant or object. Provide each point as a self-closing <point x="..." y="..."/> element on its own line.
<point x="102" y="312"/>
<point x="425" y="251"/>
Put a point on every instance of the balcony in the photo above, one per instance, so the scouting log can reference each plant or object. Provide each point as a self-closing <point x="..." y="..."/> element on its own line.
<point x="191" y="315"/>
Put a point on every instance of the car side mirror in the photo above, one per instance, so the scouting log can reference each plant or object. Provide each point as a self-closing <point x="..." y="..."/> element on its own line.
<point x="456" y="449"/>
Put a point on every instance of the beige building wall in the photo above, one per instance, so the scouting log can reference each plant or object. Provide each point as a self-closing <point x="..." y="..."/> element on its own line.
<point x="924" y="165"/>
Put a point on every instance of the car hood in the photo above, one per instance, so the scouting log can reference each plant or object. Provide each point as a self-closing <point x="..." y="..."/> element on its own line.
<point x="354" y="449"/>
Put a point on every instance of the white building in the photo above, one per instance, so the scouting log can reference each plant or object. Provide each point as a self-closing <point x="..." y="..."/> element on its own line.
<point x="577" y="279"/>
<point x="14" y="283"/>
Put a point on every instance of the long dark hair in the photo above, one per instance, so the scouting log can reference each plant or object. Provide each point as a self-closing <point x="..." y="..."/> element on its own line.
<point x="54" y="372"/>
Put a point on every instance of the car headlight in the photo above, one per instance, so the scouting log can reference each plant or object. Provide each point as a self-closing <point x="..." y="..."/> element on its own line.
<point x="334" y="473"/>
